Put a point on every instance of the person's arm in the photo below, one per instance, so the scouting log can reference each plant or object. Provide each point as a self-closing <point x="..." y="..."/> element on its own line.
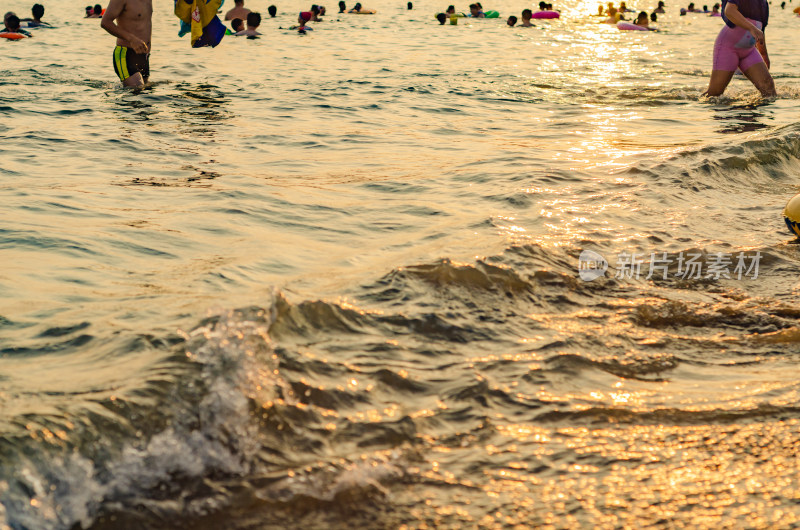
<point x="762" y="49"/>
<point x="733" y="14"/>
<point x="113" y="11"/>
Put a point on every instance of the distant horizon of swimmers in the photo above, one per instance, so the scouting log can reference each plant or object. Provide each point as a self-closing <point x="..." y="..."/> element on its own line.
<point x="740" y="45"/>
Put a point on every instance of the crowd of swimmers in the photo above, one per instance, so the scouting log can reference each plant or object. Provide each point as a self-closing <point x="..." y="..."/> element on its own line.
<point x="615" y="15"/>
<point x="740" y="44"/>
<point x="239" y="15"/>
<point x="13" y="24"/>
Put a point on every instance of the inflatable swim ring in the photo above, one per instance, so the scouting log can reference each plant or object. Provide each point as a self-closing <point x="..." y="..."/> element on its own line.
<point x="546" y="14"/>
<point x="492" y="14"/>
<point x="363" y="12"/>
<point x="13" y="36"/>
<point x="627" y="26"/>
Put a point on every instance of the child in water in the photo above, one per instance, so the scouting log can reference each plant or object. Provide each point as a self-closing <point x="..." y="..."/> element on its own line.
<point x="511" y="21"/>
<point x="237" y="25"/>
<point x="613" y="16"/>
<point x="12" y="25"/>
<point x="304" y="18"/>
<point x="253" y="21"/>
<point x="475" y="11"/>
<point x="527" y="14"/>
<point x="643" y="20"/>
<point x="442" y="18"/>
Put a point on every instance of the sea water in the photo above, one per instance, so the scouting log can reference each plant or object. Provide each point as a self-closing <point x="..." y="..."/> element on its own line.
<point x="336" y="280"/>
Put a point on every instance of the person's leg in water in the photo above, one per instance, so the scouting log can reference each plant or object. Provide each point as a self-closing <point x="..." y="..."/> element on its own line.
<point x="759" y="75"/>
<point x="718" y="83"/>
<point x="136" y="80"/>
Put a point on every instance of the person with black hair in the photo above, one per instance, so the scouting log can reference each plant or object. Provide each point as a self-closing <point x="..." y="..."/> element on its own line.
<point x="89" y="12"/>
<point x="272" y="10"/>
<point x="527" y="14"/>
<point x="660" y="8"/>
<point x="12" y="25"/>
<point x="237" y="25"/>
<point x="442" y="18"/>
<point x="511" y="21"/>
<point x="475" y="11"/>
<point x="410" y="6"/>
<point x="36" y="22"/>
<point x="342" y="6"/>
<point x="253" y="21"/>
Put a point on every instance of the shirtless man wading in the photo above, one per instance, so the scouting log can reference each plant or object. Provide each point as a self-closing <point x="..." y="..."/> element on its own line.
<point x="131" y="22"/>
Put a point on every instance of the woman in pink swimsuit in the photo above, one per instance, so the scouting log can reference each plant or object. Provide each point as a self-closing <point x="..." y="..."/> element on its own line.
<point x="741" y="45"/>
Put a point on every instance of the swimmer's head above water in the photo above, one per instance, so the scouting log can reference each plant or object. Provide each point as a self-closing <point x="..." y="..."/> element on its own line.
<point x="272" y="10"/>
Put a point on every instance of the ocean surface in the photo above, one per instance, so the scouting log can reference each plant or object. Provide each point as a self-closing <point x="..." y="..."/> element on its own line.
<point x="332" y="280"/>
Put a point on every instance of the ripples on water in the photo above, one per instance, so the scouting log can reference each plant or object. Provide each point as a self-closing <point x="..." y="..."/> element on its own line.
<point x="332" y="280"/>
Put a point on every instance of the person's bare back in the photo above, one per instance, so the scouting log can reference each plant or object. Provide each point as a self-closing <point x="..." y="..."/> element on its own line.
<point x="131" y="21"/>
<point x="237" y="11"/>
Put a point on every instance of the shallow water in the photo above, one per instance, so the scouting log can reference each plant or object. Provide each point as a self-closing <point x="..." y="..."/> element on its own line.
<point x="332" y="280"/>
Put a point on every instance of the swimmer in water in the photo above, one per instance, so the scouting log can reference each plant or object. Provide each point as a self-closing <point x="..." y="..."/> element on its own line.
<point x="97" y="11"/>
<point x="511" y="21"/>
<point x="613" y="16"/>
<point x="131" y="22"/>
<point x="12" y="25"/>
<point x="642" y="20"/>
<point x="272" y="10"/>
<point x="475" y="11"/>
<point x="741" y="45"/>
<point x="715" y="11"/>
<point x="36" y="22"/>
<point x="237" y="11"/>
<point x="660" y="9"/>
<point x="89" y="12"/>
<point x="253" y="21"/>
<point x="653" y="17"/>
<point x="237" y="25"/>
<point x="442" y="18"/>
<point x="342" y="6"/>
<point x="303" y="18"/>
<point x="527" y="14"/>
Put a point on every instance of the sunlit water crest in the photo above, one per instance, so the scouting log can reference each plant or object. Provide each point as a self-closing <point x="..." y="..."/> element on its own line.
<point x="332" y="280"/>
